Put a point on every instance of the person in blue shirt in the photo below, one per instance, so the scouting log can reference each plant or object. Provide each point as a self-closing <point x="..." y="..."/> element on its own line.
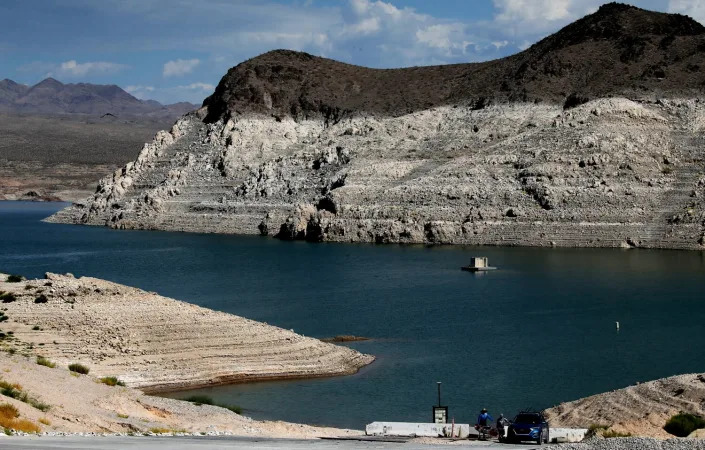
<point x="484" y="418"/>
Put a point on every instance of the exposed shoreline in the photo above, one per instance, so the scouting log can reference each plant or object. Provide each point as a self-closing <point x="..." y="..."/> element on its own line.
<point x="158" y="389"/>
<point x="157" y="344"/>
<point x="81" y="404"/>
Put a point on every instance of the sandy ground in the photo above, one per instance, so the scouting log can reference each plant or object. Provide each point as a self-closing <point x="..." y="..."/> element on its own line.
<point x="147" y="341"/>
<point x="156" y="343"/>
<point x="83" y="404"/>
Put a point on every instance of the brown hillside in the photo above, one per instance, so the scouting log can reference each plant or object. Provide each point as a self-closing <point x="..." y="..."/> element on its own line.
<point x="619" y="49"/>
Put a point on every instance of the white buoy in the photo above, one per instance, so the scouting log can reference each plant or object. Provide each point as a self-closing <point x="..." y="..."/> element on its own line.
<point x="617" y="323"/>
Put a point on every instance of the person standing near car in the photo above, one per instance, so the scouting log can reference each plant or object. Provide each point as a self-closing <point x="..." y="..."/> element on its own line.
<point x="501" y="423"/>
<point x="484" y="418"/>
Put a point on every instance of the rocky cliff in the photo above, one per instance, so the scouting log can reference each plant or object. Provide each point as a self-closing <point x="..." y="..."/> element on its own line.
<point x="592" y="137"/>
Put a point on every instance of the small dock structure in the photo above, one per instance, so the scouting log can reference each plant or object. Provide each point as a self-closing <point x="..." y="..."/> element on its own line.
<point x="478" y="264"/>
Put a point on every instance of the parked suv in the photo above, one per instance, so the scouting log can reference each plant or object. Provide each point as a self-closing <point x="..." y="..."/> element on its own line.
<point x="528" y="426"/>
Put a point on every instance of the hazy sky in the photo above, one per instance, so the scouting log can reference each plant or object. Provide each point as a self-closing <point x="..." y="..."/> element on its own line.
<point x="173" y="50"/>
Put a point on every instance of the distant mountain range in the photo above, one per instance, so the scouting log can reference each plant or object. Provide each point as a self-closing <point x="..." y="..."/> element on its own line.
<point x="51" y="97"/>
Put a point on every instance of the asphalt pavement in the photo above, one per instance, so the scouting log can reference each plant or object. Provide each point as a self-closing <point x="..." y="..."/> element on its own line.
<point x="219" y="442"/>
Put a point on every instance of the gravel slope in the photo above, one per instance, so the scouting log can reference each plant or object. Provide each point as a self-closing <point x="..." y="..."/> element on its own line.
<point x="641" y="410"/>
<point x="635" y="444"/>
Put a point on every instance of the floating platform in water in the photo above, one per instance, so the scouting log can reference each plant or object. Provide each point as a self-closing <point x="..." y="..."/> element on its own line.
<point x="477" y="269"/>
<point x="478" y="264"/>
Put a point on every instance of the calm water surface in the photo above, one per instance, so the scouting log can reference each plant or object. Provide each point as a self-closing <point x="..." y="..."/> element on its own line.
<point x="537" y="332"/>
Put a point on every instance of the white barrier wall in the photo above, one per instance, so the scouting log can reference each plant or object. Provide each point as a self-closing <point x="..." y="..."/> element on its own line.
<point x="458" y="431"/>
<point x="567" y="434"/>
<point x="418" y="429"/>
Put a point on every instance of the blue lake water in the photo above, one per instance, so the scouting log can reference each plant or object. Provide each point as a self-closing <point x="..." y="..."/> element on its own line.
<point x="539" y="331"/>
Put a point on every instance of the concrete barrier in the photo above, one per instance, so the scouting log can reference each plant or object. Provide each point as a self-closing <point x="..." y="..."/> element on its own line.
<point x="418" y="429"/>
<point x="567" y="434"/>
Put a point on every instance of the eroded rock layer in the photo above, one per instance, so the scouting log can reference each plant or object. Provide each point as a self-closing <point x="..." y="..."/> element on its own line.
<point x="609" y="173"/>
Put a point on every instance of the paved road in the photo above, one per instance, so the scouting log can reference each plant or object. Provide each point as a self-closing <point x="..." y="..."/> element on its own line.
<point x="205" y="442"/>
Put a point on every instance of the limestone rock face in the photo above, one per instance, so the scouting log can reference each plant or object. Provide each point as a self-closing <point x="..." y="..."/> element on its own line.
<point x="610" y="172"/>
<point x="591" y="137"/>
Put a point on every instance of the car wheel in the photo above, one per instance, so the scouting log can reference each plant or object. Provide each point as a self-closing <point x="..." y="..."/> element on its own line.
<point x="548" y="436"/>
<point x="540" y="441"/>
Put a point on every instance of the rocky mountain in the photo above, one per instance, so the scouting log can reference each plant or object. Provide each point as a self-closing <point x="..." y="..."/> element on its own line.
<point x="10" y="91"/>
<point x="591" y="137"/>
<point x="51" y="97"/>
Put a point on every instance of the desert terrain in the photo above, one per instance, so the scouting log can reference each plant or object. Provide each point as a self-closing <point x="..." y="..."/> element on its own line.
<point x="57" y="139"/>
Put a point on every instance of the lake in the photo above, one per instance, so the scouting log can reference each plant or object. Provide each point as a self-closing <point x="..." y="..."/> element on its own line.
<point x="536" y="332"/>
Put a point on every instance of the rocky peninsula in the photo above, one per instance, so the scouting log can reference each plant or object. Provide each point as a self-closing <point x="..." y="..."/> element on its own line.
<point x="156" y="343"/>
<point x="72" y="403"/>
<point x="590" y="138"/>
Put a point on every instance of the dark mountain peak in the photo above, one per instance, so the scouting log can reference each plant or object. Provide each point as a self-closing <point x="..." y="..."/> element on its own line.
<point x="10" y="91"/>
<point x="614" y="7"/>
<point x="621" y="24"/>
<point x="49" y="82"/>
<point x="642" y="21"/>
<point x="285" y="53"/>
<point x="617" y="50"/>
<point x="9" y="82"/>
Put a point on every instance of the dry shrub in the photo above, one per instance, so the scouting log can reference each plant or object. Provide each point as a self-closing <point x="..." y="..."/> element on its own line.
<point x="683" y="424"/>
<point x="111" y="381"/>
<point x="15" y="391"/>
<point x="42" y="361"/>
<point x="26" y="426"/>
<point x="79" y="368"/>
<point x="9" y="420"/>
<point x="44" y="421"/>
<point x="8" y="411"/>
<point x="6" y="423"/>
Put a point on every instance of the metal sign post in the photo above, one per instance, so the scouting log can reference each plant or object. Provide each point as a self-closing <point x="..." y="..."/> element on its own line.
<point x="440" y="413"/>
